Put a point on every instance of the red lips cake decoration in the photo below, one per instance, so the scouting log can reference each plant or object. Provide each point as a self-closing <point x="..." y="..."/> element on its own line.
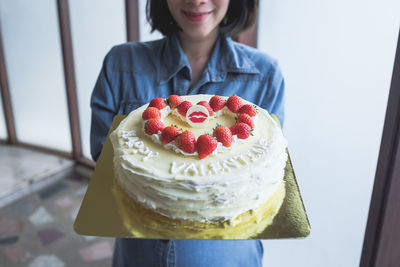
<point x="197" y="116"/>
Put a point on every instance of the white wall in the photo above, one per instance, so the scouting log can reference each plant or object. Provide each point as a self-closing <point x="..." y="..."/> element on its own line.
<point x="337" y="59"/>
<point x="32" y="51"/>
<point x="96" y="26"/>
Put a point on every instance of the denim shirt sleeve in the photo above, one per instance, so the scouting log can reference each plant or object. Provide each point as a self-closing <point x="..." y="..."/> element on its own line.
<point x="104" y="108"/>
<point x="273" y="100"/>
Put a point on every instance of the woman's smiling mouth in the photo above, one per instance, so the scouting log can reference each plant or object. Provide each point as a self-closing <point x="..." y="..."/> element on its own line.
<point x="196" y="16"/>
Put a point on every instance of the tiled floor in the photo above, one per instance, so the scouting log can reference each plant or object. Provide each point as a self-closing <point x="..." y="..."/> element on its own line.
<point x="37" y="229"/>
<point x="24" y="171"/>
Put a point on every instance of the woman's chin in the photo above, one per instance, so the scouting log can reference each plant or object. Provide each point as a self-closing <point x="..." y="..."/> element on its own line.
<point x="199" y="34"/>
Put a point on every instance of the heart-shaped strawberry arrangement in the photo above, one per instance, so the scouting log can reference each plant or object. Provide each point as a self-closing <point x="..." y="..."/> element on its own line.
<point x="196" y="116"/>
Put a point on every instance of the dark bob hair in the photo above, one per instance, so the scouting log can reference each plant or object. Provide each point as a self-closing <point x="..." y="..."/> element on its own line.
<point x="240" y="15"/>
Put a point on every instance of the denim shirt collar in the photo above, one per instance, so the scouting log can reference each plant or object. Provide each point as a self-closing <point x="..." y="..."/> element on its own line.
<point x="226" y="57"/>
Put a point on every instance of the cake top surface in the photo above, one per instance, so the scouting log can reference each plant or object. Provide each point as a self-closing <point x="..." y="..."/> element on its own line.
<point x="140" y="147"/>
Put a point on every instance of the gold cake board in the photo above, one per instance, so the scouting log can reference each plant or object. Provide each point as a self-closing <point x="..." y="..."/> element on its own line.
<point x="100" y="212"/>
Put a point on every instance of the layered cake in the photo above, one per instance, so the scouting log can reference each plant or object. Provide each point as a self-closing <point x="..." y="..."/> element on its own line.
<point x="199" y="164"/>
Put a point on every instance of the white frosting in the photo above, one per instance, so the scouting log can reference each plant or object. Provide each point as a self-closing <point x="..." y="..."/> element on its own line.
<point x="216" y="188"/>
<point x="136" y="145"/>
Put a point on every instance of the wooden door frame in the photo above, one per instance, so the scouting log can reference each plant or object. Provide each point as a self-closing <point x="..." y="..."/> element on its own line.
<point x="382" y="234"/>
<point x="6" y="98"/>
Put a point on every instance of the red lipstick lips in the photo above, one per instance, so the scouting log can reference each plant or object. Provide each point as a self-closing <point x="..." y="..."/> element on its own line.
<point x="197" y="117"/>
<point x="196" y="16"/>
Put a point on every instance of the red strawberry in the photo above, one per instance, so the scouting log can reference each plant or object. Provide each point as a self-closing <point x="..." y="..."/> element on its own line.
<point x="152" y="126"/>
<point x="169" y="134"/>
<point x="151" y="113"/>
<point x="242" y="130"/>
<point x="223" y="135"/>
<point x="248" y="109"/>
<point x="183" y="107"/>
<point x="206" y="144"/>
<point x="245" y="119"/>
<point x="234" y="103"/>
<point x="186" y="142"/>
<point x="174" y="101"/>
<point x="158" y="102"/>
<point x="208" y="107"/>
<point x="217" y="102"/>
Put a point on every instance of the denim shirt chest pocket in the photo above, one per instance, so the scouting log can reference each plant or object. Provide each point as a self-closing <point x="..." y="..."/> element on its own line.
<point x="125" y="107"/>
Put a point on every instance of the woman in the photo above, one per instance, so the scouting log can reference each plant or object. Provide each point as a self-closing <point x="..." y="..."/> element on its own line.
<point x="195" y="57"/>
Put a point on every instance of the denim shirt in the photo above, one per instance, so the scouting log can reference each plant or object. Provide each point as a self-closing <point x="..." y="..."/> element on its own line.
<point x="134" y="73"/>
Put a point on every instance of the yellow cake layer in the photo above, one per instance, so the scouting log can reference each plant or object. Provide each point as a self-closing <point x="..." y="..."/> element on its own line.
<point x="143" y="222"/>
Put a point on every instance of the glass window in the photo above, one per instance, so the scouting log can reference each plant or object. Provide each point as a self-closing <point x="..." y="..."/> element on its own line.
<point x="33" y="56"/>
<point x="96" y="27"/>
